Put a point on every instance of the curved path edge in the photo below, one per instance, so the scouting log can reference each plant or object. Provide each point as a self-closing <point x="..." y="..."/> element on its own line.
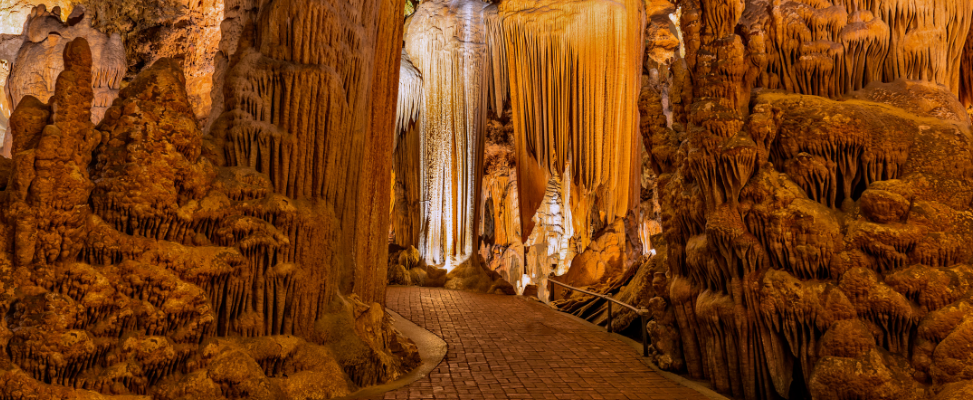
<point x="432" y="351"/>
<point x="701" y="387"/>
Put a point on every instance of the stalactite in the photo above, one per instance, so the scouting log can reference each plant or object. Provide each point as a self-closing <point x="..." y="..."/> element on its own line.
<point x="449" y="43"/>
<point x="410" y="97"/>
<point x="575" y="103"/>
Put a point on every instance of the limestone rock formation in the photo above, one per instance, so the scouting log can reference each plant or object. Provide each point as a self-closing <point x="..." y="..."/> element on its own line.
<point x="815" y="190"/>
<point x="501" y="244"/>
<point x="406" y="201"/>
<point x="38" y="62"/>
<point x="449" y="43"/>
<point x="574" y="101"/>
<point x="186" y="31"/>
<point x="139" y="257"/>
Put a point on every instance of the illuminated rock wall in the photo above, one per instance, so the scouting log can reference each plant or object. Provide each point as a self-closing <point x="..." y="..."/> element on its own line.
<point x="574" y="100"/>
<point x="187" y="31"/>
<point x="814" y="235"/>
<point x="449" y="43"/>
<point x="139" y="257"/>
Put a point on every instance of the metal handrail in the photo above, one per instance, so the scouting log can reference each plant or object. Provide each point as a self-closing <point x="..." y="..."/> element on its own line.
<point x="642" y="312"/>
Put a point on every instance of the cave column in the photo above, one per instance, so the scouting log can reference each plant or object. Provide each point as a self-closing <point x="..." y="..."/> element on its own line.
<point x="448" y="43"/>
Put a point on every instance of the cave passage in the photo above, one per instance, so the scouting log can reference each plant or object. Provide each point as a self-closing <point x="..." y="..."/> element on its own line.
<point x="232" y="199"/>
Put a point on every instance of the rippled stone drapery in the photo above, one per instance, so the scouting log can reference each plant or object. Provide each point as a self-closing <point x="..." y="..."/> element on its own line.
<point x="573" y="69"/>
<point x="449" y="43"/>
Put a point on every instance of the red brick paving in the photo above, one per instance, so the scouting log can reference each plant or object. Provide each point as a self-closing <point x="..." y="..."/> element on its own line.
<point x="505" y="347"/>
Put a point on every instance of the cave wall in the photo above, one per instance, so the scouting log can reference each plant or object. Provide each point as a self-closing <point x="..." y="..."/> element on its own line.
<point x="38" y="62"/>
<point x="406" y="210"/>
<point x="140" y="257"/>
<point x="815" y="192"/>
<point x="185" y="30"/>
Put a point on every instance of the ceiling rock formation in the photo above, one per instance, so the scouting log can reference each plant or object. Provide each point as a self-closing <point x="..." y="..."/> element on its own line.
<point x="449" y="42"/>
<point x="816" y="189"/>
<point x="140" y="257"/>
<point x="575" y="110"/>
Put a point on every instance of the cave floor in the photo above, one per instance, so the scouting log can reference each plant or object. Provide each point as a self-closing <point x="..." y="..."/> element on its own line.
<point x="505" y="347"/>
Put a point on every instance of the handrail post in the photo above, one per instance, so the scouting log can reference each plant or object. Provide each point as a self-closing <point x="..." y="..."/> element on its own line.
<point x="609" y="327"/>
<point x="645" y="336"/>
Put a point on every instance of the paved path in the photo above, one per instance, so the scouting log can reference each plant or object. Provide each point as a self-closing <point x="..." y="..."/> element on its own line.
<point x="504" y="347"/>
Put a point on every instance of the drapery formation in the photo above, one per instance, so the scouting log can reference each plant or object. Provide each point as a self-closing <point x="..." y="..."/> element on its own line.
<point x="448" y="42"/>
<point x="573" y="70"/>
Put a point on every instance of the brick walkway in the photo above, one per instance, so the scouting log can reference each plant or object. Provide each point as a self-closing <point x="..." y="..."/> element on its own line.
<point x="504" y="347"/>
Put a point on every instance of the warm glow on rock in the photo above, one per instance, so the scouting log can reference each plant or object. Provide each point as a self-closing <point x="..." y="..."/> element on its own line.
<point x="448" y="42"/>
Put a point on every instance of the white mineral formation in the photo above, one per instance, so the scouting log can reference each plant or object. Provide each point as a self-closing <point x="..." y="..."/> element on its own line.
<point x="551" y="248"/>
<point x="448" y="42"/>
<point x="410" y="96"/>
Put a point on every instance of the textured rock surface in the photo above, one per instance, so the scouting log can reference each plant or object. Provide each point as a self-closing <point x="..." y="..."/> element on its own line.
<point x="816" y="192"/>
<point x="448" y="42"/>
<point x="406" y="208"/>
<point x="37" y="63"/>
<point x="186" y="31"/>
<point x="584" y="134"/>
<point x="141" y="258"/>
<point x="573" y="72"/>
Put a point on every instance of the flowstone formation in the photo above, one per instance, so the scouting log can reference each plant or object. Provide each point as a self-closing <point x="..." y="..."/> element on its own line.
<point x="501" y="245"/>
<point x="816" y="193"/>
<point x="141" y="258"/>
<point x="449" y="42"/>
<point x="575" y="117"/>
<point x="35" y="66"/>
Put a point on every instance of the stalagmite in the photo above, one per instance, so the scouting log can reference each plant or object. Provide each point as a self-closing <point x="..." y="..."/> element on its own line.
<point x="810" y="201"/>
<point x="38" y="62"/>
<point x="148" y="259"/>
<point x="449" y="43"/>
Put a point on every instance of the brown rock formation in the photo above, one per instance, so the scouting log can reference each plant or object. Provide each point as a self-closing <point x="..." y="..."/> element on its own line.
<point x="585" y="133"/>
<point x="406" y="207"/>
<point x="575" y="113"/>
<point x="140" y="258"/>
<point x="38" y="61"/>
<point x="814" y="245"/>
<point x="186" y="31"/>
